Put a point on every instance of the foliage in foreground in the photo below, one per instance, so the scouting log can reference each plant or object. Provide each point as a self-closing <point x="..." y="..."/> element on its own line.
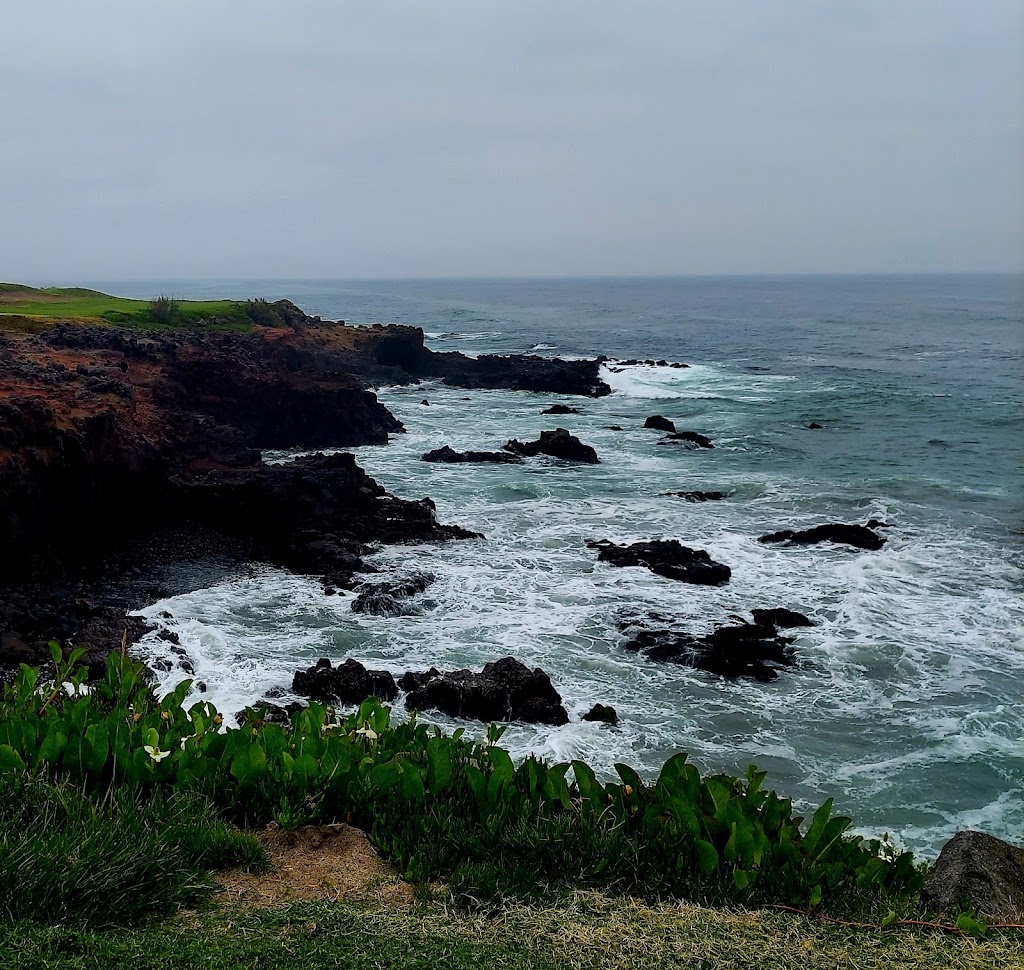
<point x="69" y="858"/>
<point x="441" y="805"/>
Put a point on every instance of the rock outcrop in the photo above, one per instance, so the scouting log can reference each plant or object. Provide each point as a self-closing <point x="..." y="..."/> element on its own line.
<point x="658" y="423"/>
<point x="505" y="690"/>
<point x="558" y="444"/>
<point x="666" y="557"/>
<point x="859" y="536"/>
<point x="745" y="650"/>
<point x="348" y="683"/>
<point x="449" y="456"/>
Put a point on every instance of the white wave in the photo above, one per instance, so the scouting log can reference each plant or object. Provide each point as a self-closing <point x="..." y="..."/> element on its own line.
<point x="464" y="335"/>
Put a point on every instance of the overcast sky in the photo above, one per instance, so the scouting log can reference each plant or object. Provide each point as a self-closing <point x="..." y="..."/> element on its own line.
<point x="322" y="138"/>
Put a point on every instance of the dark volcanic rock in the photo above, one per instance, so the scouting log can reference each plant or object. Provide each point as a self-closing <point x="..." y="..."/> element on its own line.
<point x="780" y="617"/>
<point x="814" y="426"/>
<point x="561" y="409"/>
<point x="385" y="599"/>
<point x="690" y="437"/>
<point x="314" y="514"/>
<point x="699" y="496"/>
<point x="980" y="868"/>
<point x="613" y="427"/>
<point x="505" y="690"/>
<point x="559" y="444"/>
<point x="517" y="372"/>
<point x="348" y="683"/>
<point x="411" y="679"/>
<point x="747" y="650"/>
<point x="658" y="423"/>
<point x="852" y="535"/>
<point x="449" y="456"/>
<point x="602" y="713"/>
<point x="666" y="557"/>
<point x="269" y="713"/>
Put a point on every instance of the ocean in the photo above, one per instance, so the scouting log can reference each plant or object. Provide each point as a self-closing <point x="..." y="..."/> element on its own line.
<point x="907" y="704"/>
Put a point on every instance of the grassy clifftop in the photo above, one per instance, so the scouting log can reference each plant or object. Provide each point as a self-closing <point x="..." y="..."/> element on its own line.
<point x="31" y="308"/>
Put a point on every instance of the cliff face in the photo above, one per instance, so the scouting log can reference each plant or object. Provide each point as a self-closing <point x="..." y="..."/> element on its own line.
<point x="94" y="423"/>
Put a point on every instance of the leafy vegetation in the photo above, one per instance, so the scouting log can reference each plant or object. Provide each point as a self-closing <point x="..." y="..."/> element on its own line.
<point x="65" y="857"/>
<point x="446" y="806"/>
<point x="26" y="308"/>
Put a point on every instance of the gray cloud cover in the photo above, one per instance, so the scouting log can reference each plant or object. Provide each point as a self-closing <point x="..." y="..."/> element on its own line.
<point x="222" y="138"/>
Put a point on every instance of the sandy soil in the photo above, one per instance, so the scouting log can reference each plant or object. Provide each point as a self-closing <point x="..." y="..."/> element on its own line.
<point x="311" y="863"/>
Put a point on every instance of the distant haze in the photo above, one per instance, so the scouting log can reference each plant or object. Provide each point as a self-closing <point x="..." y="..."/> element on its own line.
<point x="318" y="138"/>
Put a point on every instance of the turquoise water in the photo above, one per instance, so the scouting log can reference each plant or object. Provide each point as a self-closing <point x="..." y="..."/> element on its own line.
<point x="908" y="703"/>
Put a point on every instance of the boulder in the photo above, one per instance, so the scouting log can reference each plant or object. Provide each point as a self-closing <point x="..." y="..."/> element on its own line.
<point x="559" y="444"/>
<point x="658" y="423"/>
<point x="814" y="426"/>
<point x="859" y="536"/>
<point x="505" y="690"/>
<point x="666" y="557"/>
<point x="449" y="456"/>
<point x="348" y="683"/>
<point x="980" y="868"/>
<point x="602" y="713"/>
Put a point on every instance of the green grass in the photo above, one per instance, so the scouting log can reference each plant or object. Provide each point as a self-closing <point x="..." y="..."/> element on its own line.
<point x="69" y="858"/>
<point x="20" y="306"/>
<point x="583" y="930"/>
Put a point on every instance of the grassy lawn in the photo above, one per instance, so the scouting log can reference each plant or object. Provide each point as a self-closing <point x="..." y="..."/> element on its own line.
<point x="585" y="930"/>
<point x="22" y="306"/>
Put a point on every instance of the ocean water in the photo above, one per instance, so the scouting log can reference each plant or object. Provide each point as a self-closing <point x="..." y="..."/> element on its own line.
<point x="908" y="701"/>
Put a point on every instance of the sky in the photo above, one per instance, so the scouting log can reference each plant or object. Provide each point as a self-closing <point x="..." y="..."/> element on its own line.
<point x="257" y="139"/>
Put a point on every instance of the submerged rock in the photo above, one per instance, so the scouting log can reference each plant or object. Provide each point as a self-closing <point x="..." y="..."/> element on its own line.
<point x="981" y="868"/>
<point x="559" y="444"/>
<point x="699" y="496"/>
<point x="348" y="683"/>
<point x="505" y="690"/>
<point x="561" y="409"/>
<point x="666" y="557"/>
<point x="690" y="437"/>
<point x="658" y="423"/>
<point x="449" y="456"/>
<point x="859" y="536"/>
<point x="384" y="599"/>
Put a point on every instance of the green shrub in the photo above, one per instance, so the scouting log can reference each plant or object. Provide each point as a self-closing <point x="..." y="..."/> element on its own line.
<point x="66" y="857"/>
<point x="165" y="311"/>
<point x="434" y="803"/>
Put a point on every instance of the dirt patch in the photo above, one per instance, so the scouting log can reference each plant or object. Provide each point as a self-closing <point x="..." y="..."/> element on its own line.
<point x="315" y="862"/>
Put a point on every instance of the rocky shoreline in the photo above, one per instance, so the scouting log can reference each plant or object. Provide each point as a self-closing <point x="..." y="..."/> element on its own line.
<point x="131" y="463"/>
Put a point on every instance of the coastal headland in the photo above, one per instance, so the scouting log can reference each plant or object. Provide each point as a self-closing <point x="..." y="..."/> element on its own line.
<point x="130" y="447"/>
